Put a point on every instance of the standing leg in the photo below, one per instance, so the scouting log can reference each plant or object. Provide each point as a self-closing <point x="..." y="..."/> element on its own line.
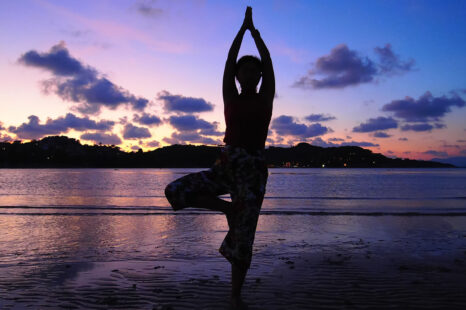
<point x="238" y="276"/>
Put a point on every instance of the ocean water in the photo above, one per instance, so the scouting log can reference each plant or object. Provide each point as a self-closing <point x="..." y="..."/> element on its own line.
<point x="289" y="191"/>
<point x="100" y="238"/>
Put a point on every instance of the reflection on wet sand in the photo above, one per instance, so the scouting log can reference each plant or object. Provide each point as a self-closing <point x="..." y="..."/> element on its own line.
<point x="161" y="260"/>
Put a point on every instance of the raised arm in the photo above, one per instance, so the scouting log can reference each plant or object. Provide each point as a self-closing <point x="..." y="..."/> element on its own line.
<point x="268" y="78"/>
<point x="229" y="86"/>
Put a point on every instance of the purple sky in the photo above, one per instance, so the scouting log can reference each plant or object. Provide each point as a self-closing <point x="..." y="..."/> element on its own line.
<point x="384" y="75"/>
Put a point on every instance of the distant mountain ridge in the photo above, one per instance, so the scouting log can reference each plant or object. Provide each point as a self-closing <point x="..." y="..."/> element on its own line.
<point x="458" y="161"/>
<point x="64" y="152"/>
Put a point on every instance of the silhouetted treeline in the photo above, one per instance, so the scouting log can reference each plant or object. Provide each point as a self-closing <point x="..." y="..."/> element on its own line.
<point x="61" y="152"/>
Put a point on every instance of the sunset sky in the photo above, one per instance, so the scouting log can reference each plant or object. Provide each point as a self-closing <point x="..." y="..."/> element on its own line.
<point x="384" y="75"/>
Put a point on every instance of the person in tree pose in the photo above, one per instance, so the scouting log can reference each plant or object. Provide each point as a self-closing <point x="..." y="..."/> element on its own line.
<point x="241" y="169"/>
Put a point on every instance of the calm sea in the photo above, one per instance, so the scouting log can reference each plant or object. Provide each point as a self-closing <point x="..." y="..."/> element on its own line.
<point x="289" y="191"/>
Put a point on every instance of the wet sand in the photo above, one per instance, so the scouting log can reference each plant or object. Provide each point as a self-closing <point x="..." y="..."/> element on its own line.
<point x="171" y="262"/>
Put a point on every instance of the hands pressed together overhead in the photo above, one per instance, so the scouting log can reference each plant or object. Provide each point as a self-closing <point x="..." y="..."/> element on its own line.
<point x="248" y="23"/>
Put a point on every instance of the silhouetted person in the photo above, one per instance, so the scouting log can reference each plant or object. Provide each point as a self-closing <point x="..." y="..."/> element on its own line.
<point x="241" y="169"/>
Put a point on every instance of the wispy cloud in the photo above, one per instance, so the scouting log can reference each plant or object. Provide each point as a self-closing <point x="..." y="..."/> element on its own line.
<point x="117" y="31"/>
<point x="422" y="127"/>
<point x="320" y="142"/>
<point x="148" y="9"/>
<point x="436" y="153"/>
<point x="320" y="117"/>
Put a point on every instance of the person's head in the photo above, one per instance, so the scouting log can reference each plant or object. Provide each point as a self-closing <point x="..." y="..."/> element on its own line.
<point x="248" y="72"/>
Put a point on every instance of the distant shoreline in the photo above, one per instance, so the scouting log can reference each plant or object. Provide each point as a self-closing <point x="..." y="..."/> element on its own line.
<point x="64" y="152"/>
<point x="291" y="168"/>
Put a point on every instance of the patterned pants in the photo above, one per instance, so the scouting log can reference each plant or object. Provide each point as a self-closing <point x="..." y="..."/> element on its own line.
<point x="244" y="176"/>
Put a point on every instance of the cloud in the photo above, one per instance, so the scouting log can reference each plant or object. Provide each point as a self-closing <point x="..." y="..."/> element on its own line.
<point x="189" y="123"/>
<point x="135" y="147"/>
<point x="147" y="119"/>
<point x="193" y="130"/>
<point x="403" y="139"/>
<point x="390" y="63"/>
<point x="374" y="124"/>
<point x="103" y="138"/>
<point x="33" y="130"/>
<point x="344" y="67"/>
<point x="319" y="117"/>
<point x="123" y="120"/>
<point x="336" y="139"/>
<point x="58" y="60"/>
<point x="461" y="141"/>
<point x="120" y="32"/>
<point x="381" y="134"/>
<point x="73" y="81"/>
<point x="133" y="132"/>
<point x="426" y="108"/>
<point x="285" y="125"/>
<point x="212" y="131"/>
<point x="145" y="8"/>
<point x="436" y="153"/>
<point x="320" y="142"/>
<point x="360" y="143"/>
<point x="153" y="143"/>
<point x="1" y="126"/>
<point x="421" y="127"/>
<point x="178" y="103"/>
<point x="456" y="146"/>
<point x="191" y="137"/>
<point x="5" y="138"/>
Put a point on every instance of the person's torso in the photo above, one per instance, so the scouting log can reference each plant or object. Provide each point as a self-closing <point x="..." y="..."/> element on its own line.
<point x="247" y="121"/>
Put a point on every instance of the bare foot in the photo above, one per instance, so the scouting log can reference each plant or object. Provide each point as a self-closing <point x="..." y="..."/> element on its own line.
<point x="236" y="303"/>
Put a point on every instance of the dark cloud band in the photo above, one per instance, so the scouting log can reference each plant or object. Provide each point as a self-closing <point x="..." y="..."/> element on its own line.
<point x="375" y="124"/>
<point x="285" y="125"/>
<point x="178" y="103"/>
<point x="33" y="130"/>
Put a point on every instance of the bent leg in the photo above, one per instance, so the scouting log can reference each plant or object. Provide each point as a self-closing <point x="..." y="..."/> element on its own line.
<point x="198" y="190"/>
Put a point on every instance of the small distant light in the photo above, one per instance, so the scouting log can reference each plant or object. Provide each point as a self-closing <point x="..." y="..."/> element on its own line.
<point x="323" y="165"/>
<point x="344" y="164"/>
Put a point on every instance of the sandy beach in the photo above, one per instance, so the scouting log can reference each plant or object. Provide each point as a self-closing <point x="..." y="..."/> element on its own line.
<point x="171" y="262"/>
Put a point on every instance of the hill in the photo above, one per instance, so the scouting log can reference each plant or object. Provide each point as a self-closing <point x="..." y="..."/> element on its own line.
<point x="64" y="152"/>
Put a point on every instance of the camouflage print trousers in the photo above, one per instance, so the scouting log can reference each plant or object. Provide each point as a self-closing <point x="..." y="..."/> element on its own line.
<point x="241" y="174"/>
